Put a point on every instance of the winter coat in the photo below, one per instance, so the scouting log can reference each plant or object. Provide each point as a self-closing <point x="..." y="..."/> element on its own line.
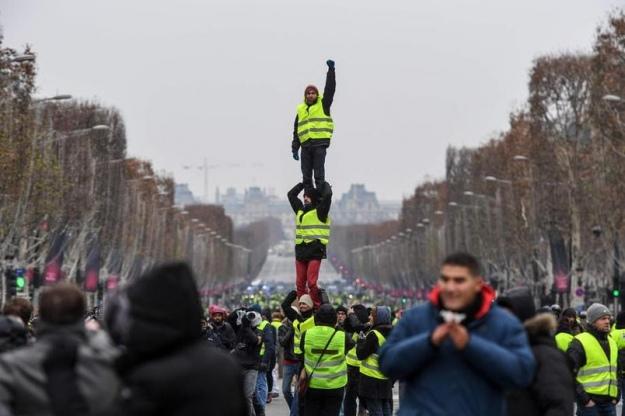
<point x="24" y="388"/>
<point x="552" y="391"/>
<point x="369" y="387"/>
<point x="314" y="250"/>
<point x="285" y="336"/>
<point x="167" y="368"/>
<point x="226" y="335"/>
<point x="13" y="334"/>
<point x="444" y="381"/>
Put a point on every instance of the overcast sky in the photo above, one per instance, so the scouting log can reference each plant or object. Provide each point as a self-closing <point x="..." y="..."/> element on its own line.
<point x="221" y="78"/>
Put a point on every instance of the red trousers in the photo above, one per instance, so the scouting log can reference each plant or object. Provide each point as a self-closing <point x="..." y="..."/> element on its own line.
<point x="307" y="274"/>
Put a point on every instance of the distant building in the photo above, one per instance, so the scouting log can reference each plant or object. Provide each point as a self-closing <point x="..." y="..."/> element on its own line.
<point x="359" y="206"/>
<point x="183" y="195"/>
<point x="355" y="206"/>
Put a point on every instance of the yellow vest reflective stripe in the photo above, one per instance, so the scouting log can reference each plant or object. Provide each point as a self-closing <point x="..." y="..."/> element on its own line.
<point x="370" y="366"/>
<point x="563" y="340"/>
<point x="276" y="324"/>
<point x="261" y="327"/>
<point x="308" y="227"/>
<point x="298" y="329"/>
<point x="313" y="123"/>
<point x="598" y="376"/>
<point x="331" y="372"/>
<point x="352" y="358"/>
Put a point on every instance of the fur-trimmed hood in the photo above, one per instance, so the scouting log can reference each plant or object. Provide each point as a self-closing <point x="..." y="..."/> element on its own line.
<point x="540" y="327"/>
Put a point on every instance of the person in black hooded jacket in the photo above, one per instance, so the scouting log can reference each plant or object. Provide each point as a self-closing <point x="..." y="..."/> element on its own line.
<point x="167" y="368"/>
<point x="357" y="322"/>
<point x="376" y="393"/>
<point x="552" y="391"/>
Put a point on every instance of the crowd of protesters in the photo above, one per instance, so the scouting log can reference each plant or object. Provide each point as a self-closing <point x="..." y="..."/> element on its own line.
<point x="156" y="351"/>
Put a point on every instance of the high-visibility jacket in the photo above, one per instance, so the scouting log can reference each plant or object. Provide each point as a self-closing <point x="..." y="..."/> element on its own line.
<point x="308" y="228"/>
<point x="618" y="335"/>
<point x="598" y="376"/>
<point x="331" y="372"/>
<point x="563" y="340"/>
<point x="276" y="325"/>
<point x="261" y="328"/>
<point x="298" y="329"/>
<point x="351" y="357"/>
<point x="313" y="123"/>
<point x="370" y="366"/>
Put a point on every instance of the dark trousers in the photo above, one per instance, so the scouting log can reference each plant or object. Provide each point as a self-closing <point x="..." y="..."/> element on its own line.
<point x="313" y="160"/>
<point x="599" y="409"/>
<point x="272" y="365"/>
<point x="379" y="407"/>
<point x="351" y="391"/>
<point x="319" y="402"/>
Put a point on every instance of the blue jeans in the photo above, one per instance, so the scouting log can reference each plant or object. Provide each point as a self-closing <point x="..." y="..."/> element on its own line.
<point x="261" y="389"/>
<point x="295" y="405"/>
<point x="379" y="407"/>
<point x="289" y="372"/>
<point x="599" y="409"/>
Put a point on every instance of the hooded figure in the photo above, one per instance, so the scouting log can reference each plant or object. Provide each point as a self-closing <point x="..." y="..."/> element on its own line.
<point x="552" y="391"/>
<point x="167" y="367"/>
<point x="375" y="391"/>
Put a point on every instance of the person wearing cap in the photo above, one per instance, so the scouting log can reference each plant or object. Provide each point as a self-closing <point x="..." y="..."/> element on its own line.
<point x="567" y="328"/>
<point x="312" y="235"/>
<point x="327" y="371"/>
<point x="594" y="358"/>
<point x="220" y="328"/>
<point x="374" y="387"/>
<point x="313" y="130"/>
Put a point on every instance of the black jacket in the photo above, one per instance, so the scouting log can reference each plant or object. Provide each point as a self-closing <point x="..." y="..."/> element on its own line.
<point x="577" y="357"/>
<point x="552" y="391"/>
<point x="248" y="342"/>
<point x="168" y="369"/>
<point x="326" y="102"/>
<point x="315" y="250"/>
<point x="286" y="333"/>
<point x="226" y="335"/>
<point x="369" y="387"/>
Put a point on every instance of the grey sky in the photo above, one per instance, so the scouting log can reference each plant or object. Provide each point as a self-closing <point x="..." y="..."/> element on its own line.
<point x="221" y="78"/>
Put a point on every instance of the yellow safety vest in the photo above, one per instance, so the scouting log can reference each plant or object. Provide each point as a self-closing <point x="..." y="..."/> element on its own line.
<point x="395" y="321"/>
<point x="563" y="340"/>
<point x="313" y="123"/>
<point x="276" y="324"/>
<point x="331" y="372"/>
<point x="370" y="366"/>
<point x="618" y="335"/>
<point x="308" y="227"/>
<point x="261" y="327"/>
<point x="298" y="329"/>
<point x="598" y="376"/>
<point x="352" y="358"/>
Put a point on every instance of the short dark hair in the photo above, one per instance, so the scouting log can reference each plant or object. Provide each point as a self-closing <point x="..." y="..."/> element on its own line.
<point x="464" y="260"/>
<point x="62" y="304"/>
<point x="19" y="307"/>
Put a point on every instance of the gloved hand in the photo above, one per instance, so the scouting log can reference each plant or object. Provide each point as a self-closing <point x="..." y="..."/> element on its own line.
<point x="330" y="63"/>
<point x="295" y="155"/>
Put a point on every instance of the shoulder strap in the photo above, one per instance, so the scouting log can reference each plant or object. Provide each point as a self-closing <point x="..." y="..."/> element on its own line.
<point x="322" y="353"/>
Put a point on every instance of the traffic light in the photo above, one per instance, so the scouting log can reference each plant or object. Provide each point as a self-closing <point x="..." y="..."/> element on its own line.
<point x="20" y="279"/>
<point x="11" y="282"/>
<point x="616" y="293"/>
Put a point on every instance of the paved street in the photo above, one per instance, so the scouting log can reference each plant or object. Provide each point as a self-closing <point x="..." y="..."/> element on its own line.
<point x="282" y="269"/>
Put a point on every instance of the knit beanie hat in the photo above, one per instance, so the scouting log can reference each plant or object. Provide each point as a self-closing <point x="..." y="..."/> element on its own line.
<point x="596" y="311"/>
<point x="311" y="87"/>
<point x="306" y="299"/>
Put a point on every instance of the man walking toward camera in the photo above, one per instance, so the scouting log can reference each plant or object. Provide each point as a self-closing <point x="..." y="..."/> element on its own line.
<point x="459" y="352"/>
<point x="594" y="355"/>
<point x="313" y="130"/>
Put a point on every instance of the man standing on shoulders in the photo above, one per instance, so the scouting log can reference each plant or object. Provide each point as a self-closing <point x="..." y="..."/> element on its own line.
<point x="313" y="129"/>
<point x="594" y="355"/>
<point x="458" y="353"/>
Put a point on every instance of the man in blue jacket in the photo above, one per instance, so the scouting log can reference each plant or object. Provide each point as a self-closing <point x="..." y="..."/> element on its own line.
<point x="458" y="353"/>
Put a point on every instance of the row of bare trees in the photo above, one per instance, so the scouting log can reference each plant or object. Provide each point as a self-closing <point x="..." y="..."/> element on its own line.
<point x="541" y="203"/>
<point x="70" y="198"/>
